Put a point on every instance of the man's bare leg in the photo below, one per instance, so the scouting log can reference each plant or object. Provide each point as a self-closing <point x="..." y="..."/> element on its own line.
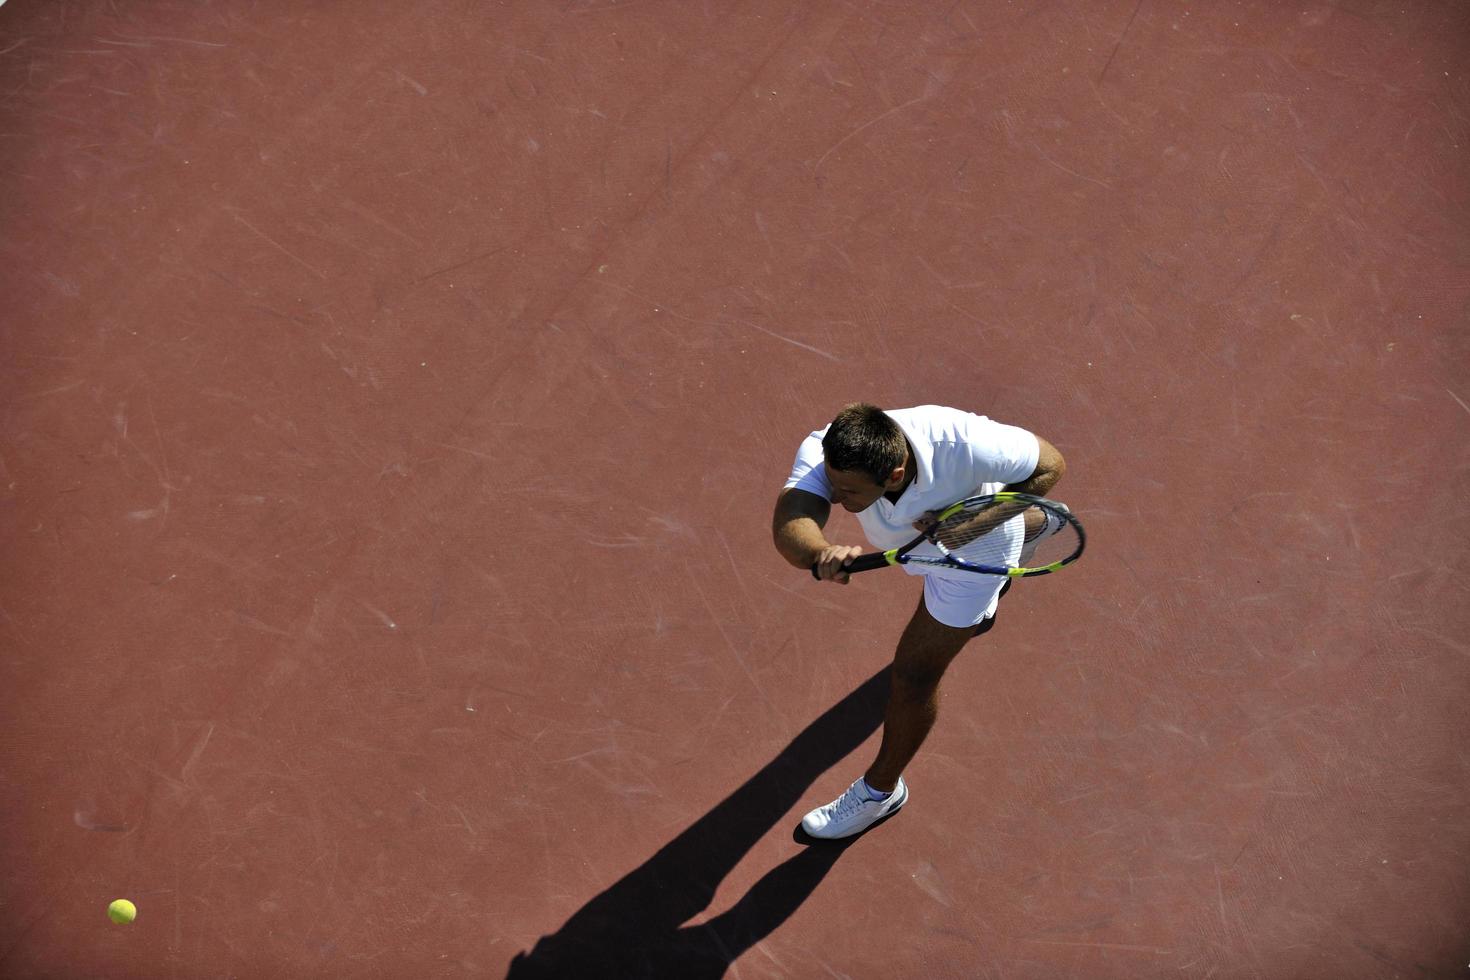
<point x="924" y="652"/>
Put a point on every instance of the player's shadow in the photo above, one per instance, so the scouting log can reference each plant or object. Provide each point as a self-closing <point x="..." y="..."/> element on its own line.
<point x="636" y="927"/>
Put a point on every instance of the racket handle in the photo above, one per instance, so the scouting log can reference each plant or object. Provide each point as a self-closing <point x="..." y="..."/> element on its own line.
<point x="866" y="563"/>
<point x="862" y="563"/>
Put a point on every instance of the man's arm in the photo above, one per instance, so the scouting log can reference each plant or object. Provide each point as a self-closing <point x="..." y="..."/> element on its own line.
<point x="1049" y="469"/>
<point x="796" y="528"/>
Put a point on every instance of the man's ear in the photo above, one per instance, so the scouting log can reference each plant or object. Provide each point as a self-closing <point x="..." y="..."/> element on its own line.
<point x="895" y="478"/>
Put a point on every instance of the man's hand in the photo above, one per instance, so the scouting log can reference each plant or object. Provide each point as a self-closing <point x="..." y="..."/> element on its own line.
<point x="829" y="563"/>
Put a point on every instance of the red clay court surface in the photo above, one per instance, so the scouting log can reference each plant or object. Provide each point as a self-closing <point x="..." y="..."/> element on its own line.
<point x="393" y="402"/>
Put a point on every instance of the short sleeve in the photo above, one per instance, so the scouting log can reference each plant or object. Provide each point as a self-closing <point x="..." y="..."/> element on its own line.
<point x="807" y="473"/>
<point x="1000" y="453"/>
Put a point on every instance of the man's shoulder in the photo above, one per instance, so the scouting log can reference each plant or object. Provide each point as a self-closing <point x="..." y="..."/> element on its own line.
<point x="936" y="422"/>
<point x="927" y="413"/>
<point x="922" y="410"/>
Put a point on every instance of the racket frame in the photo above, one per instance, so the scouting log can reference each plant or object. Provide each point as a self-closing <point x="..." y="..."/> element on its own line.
<point x="900" y="555"/>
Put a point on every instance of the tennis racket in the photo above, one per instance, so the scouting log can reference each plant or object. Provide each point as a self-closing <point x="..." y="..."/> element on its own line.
<point x="980" y="534"/>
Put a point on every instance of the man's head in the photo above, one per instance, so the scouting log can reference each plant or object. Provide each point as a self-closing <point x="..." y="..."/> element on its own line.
<point x="866" y="456"/>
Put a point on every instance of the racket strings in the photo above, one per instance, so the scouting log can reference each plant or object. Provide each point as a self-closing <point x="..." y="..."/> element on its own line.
<point x="1045" y="537"/>
<point x="980" y="535"/>
<point x="1050" y="541"/>
<point x="1050" y="523"/>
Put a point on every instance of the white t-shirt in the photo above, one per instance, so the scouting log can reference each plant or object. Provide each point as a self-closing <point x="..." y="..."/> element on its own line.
<point x="958" y="455"/>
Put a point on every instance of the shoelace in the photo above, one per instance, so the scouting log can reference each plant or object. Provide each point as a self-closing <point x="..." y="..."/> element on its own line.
<point x="851" y="800"/>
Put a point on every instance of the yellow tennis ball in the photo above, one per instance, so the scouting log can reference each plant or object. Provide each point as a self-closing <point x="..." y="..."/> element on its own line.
<point x="122" y="911"/>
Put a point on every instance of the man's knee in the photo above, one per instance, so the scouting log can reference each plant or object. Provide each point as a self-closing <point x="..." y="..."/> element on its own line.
<point x="924" y="653"/>
<point x="918" y="667"/>
<point x="916" y="681"/>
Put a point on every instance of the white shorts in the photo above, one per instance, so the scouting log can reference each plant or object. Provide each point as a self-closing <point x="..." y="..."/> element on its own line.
<point x="963" y="602"/>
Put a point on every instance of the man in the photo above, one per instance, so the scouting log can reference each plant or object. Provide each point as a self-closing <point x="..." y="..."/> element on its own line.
<point x="895" y="470"/>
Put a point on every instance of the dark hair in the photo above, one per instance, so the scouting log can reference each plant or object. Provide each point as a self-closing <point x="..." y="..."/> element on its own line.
<point x="863" y="439"/>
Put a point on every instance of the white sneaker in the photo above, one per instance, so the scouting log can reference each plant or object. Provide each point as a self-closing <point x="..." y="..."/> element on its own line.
<point x="853" y="812"/>
<point x="1052" y="526"/>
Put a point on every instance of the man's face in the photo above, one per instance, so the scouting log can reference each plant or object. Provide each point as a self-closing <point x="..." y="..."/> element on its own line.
<point x="856" y="491"/>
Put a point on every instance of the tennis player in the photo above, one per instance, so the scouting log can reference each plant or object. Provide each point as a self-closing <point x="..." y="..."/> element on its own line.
<point x="895" y="470"/>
